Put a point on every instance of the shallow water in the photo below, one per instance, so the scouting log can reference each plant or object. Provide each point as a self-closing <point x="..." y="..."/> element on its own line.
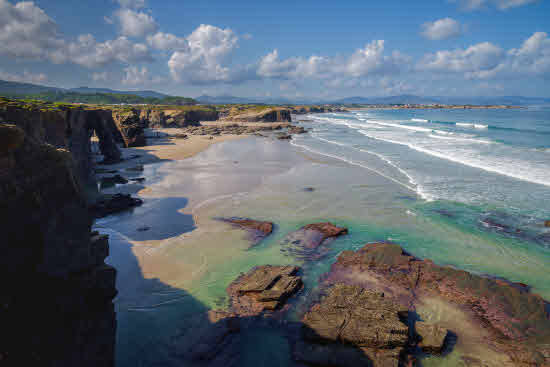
<point x="182" y="265"/>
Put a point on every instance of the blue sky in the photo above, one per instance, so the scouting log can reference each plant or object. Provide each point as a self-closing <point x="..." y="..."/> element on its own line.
<point x="312" y="49"/>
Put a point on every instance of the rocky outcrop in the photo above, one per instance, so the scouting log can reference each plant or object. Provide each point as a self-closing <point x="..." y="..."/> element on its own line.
<point x="67" y="127"/>
<point x="131" y="127"/>
<point x="111" y="204"/>
<point x="233" y="129"/>
<point x="352" y="326"/>
<point x="257" y="230"/>
<point x="264" y="288"/>
<point x="56" y="302"/>
<point x="264" y="115"/>
<point x="306" y="243"/>
<point x="183" y="117"/>
<point x="496" y="308"/>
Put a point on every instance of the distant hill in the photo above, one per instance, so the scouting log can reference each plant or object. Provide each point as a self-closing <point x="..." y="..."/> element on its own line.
<point x="88" y="95"/>
<point x="15" y="88"/>
<point x="141" y="93"/>
<point x="411" y="99"/>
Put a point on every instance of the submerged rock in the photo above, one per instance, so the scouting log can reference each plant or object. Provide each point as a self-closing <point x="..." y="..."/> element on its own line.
<point x="257" y="230"/>
<point x="264" y="288"/>
<point x="305" y="243"/>
<point x="110" y="204"/>
<point x="284" y="137"/>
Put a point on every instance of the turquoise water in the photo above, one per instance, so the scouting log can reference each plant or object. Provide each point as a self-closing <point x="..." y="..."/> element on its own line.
<point x="453" y="213"/>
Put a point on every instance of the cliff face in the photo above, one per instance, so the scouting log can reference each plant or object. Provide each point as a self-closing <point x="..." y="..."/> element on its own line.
<point x="177" y="118"/>
<point x="264" y="115"/>
<point x="57" y="293"/>
<point x="66" y="127"/>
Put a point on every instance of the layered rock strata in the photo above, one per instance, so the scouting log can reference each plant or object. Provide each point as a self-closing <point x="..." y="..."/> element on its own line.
<point x="306" y="243"/>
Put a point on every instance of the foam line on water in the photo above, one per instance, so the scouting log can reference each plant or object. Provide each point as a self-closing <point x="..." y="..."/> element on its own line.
<point x="460" y="161"/>
<point x="383" y="158"/>
<point x="420" y="120"/>
<point x="292" y="142"/>
<point x="475" y="126"/>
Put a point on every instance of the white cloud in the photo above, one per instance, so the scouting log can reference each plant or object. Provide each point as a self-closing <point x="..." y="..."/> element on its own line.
<point x="483" y="56"/>
<point x="26" y="77"/>
<point x="202" y="61"/>
<point x="531" y="59"/>
<point x="133" y="75"/>
<point x="135" y="24"/>
<point x="368" y="60"/>
<point x="167" y="41"/>
<point x="132" y="4"/>
<point x="27" y="31"/>
<point x="86" y="51"/>
<point x="100" y="76"/>
<point x="487" y="61"/>
<point x="441" y="29"/>
<point x="499" y="4"/>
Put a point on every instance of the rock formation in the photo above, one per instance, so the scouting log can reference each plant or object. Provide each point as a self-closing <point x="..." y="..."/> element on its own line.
<point x="352" y="326"/>
<point x="56" y="300"/>
<point x="263" y="115"/>
<point x="257" y="230"/>
<point x="306" y="242"/>
<point x="264" y="288"/>
<point x="504" y="317"/>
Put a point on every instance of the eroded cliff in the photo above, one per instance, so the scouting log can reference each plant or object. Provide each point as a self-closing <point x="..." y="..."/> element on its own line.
<point x="56" y="300"/>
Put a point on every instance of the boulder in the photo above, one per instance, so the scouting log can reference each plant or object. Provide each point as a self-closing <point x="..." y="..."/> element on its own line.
<point x="264" y="288"/>
<point x="547" y="223"/>
<point x="431" y="337"/>
<point x="257" y="230"/>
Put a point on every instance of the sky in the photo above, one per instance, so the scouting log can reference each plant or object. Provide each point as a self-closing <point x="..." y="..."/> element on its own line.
<point x="286" y="48"/>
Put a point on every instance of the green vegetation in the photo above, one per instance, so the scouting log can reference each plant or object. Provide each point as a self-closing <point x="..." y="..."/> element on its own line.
<point x="103" y="98"/>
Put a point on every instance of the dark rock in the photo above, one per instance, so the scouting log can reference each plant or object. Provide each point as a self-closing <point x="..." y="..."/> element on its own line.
<point x="50" y="256"/>
<point x="305" y="243"/>
<point x="355" y="323"/>
<point x="431" y="337"/>
<point x="258" y="230"/>
<point x="138" y="179"/>
<point x="143" y="229"/>
<point x="264" y="288"/>
<point x="110" y="204"/>
<point x="284" y="137"/>
<point x="547" y="223"/>
<point x="135" y="169"/>
<point x="308" y="189"/>
<point x="111" y="181"/>
<point x="297" y="130"/>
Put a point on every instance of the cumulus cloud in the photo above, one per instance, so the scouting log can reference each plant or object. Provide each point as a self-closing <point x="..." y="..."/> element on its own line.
<point x="499" y="4"/>
<point x="364" y="61"/>
<point x="26" y="31"/>
<point x="203" y="60"/>
<point x="167" y="41"/>
<point x="86" y="51"/>
<point x="100" y="76"/>
<point x="26" y="77"/>
<point x="483" y="56"/>
<point x="134" y="75"/>
<point x="441" y="29"/>
<point x="135" y="24"/>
